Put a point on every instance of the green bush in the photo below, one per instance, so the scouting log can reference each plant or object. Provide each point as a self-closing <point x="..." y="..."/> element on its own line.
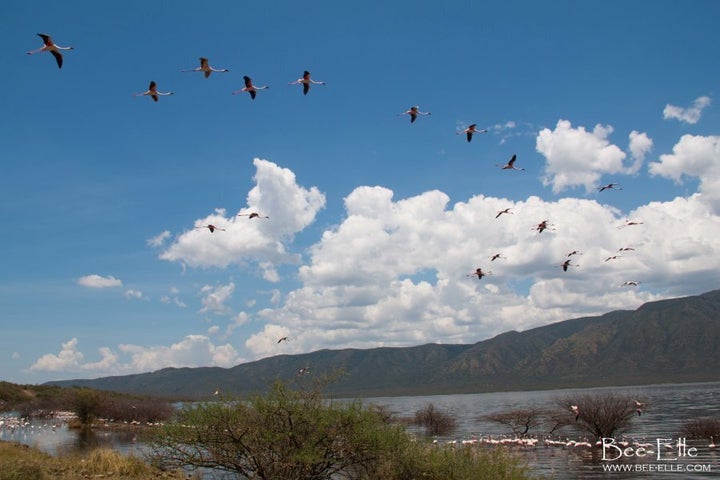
<point x="294" y="433"/>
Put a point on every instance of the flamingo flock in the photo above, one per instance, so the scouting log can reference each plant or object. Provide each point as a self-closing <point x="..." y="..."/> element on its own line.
<point x="307" y="81"/>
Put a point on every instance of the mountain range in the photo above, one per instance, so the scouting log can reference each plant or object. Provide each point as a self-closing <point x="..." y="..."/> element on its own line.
<point x="667" y="341"/>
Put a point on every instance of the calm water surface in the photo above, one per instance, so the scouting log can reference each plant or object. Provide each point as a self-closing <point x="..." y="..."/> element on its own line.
<point x="669" y="406"/>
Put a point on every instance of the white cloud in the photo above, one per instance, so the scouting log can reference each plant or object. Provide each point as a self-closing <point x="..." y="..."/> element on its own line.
<point x="576" y="157"/>
<point x="192" y="351"/>
<point x="689" y="115"/>
<point x="96" y="281"/>
<point x="395" y="272"/>
<point x="69" y="358"/>
<point x="136" y="294"/>
<point x="290" y="207"/>
<point x="159" y="240"/>
<point x="694" y="156"/>
<point x="240" y="319"/>
<point x="214" y="298"/>
<point x="640" y="145"/>
<point x="15" y="356"/>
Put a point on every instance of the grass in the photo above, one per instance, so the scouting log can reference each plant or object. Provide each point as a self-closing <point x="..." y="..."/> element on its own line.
<point x="20" y="462"/>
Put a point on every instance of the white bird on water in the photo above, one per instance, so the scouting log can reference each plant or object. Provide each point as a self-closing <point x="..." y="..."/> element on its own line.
<point x="52" y="47"/>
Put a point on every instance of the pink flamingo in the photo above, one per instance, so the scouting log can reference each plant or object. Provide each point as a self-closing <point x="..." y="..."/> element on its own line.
<point x="510" y="165"/>
<point x="542" y="226"/>
<point x="206" y="68"/>
<point x="249" y="87"/>
<point x="152" y="92"/>
<point x="413" y="112"/>
<point x="610" y="186"/>
<point x="211" y="227"/>
<point x="480" y="274"/>
<point x="252" y="215"/>
<point x="567" y="264"/>
<point x="469" y="131"/>
<point x="505" y="210"/>
<point x="306" y="81"/>
<point x="52" y="47"/>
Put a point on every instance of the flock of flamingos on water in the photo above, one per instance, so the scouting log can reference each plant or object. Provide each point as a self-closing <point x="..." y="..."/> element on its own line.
<point x="413" y="112"/>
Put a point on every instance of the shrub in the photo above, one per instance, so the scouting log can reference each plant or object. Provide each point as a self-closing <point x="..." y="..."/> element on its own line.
<point x="435" y="422"/>
<point x="292" y="432"/>
<point x="519" y="421"/>
<point x="701" y="428"/>
<point x="602" y="414"/>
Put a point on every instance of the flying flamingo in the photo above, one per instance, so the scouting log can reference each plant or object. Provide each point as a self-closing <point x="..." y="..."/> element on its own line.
<point x="252" y="215"/>
<point x="510" y="165"/>
<point x="610" y="186"/>
<point x="496" y="256"/>
<point x="630" y="283"/>
<point x="613" y="257"/>
<point x="479" y="272"/>
<point x="413" y="112"/>
<point x="50" y="46"/>
<point x="205" y="67"/>
<point x="152" y="92"/>
<point x="305" y="80"/>
<point x="282" y="339"/>
<point x="542" y="226"/>
<point x="505" y="210"/>
<point x="625" y="249"/>
<point x="574" y="252"/>
<point x="211" y="227"/>
<point x="470" y="130"/>
<point x="629" y="223"/>
<point x="303" y="371"/>
<point x="576" y="411"/>
<point x="249" y="87"/>
<point x="567" y="264"/>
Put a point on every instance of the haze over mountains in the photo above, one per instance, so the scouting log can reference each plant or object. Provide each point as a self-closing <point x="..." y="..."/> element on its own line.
<point x="668" y="341"/>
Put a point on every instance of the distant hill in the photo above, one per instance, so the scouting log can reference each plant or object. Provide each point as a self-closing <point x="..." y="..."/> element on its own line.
<point x="668" y="341"/>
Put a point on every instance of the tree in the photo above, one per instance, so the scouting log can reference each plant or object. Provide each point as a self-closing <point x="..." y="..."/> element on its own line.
<point x="85" y="405"/>
<point x="290" y="433"/>
<point x="435" y="421"/>
<point x="520" y="421"/>
<point x="602" y="413"/>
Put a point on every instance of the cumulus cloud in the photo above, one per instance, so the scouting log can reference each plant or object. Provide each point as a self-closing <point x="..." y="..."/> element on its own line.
<point x="97" y="281"/>
<point x="640" y="145"/>
<point x="214" y="298"/>
<point x="689" y="115"/>
<point x="395" y="272"/>
<point x="576" y="157"/>
<point x="694" y="156"/>
<point x="277" y="194"/>
<point x="69" y="358"/>
<point x="159" y="240"/>
<point x="192" y="351"/>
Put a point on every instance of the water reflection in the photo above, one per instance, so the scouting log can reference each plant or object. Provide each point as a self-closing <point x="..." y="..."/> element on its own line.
<point x="669" y="407"/>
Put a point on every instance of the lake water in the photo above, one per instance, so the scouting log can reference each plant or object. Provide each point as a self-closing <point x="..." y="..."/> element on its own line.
<point x="669" y="406"/>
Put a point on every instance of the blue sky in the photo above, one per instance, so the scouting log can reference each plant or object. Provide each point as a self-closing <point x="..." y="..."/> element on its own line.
<point x="375" y="222"/>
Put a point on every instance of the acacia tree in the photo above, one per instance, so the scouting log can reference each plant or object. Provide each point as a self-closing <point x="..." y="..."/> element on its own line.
<point x="289" y="433"/>
<point x="602" y="413"/>
<point x="519" y="421"/>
